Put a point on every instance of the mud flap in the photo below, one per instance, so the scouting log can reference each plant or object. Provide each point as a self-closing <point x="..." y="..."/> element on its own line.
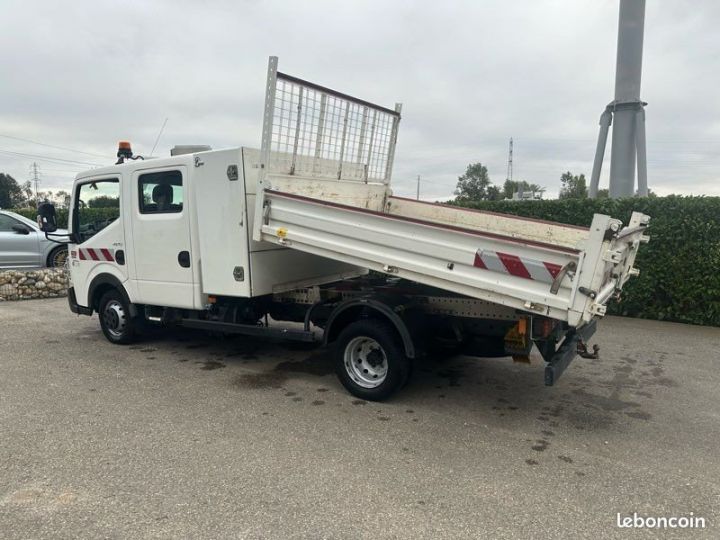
<point x="517" y="341"/>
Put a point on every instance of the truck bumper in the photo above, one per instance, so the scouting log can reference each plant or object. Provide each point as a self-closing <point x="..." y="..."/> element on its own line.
<point x="557" y="364"/>
<point x="74" y="307"/>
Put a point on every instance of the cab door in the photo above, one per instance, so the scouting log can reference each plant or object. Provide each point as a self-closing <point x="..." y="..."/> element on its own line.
<point x="98" y="232"/>
<point x="163" y="273"/>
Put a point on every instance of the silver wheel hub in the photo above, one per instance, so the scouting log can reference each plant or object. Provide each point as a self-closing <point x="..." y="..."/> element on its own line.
<point x="114" y="318"/>
<point x="366" y="362"/>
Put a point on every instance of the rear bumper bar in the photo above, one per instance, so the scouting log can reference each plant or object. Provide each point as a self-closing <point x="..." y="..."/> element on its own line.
<point x="565" y="354"/>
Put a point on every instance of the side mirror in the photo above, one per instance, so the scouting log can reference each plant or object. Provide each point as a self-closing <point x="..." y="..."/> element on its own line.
<point x="47" y="221"/>
<point x="20" y="229"/>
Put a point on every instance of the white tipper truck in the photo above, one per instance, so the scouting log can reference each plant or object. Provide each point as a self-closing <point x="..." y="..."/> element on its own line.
<point x="306" y="230"/>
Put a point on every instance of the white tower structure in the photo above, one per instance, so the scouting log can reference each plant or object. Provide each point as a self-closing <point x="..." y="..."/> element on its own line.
<point x="626" y="111"/>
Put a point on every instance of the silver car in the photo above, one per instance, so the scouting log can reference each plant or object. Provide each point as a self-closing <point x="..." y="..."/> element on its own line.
<point x="23" y="245"/>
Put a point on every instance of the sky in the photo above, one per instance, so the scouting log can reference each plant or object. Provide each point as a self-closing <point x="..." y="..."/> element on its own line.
<point x="83" y="75"/>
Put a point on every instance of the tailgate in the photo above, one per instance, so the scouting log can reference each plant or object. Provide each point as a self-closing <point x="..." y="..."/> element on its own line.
<point x="608" y="263"/>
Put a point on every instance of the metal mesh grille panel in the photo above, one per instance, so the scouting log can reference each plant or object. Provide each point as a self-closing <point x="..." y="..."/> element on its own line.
<point x="315" y="132"/>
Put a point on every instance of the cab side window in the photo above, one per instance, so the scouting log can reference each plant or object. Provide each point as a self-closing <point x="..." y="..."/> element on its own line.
<point x="97" y="205"/>
<point x="161" y="192"/>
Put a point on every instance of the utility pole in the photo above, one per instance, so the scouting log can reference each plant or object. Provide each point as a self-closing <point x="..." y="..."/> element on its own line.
<point x="626" y="111"/>
<point x="417" y="197"/>
<point x="36" y="180"/>
<point x="510" y="162"/>
<point x="509" y="176"/>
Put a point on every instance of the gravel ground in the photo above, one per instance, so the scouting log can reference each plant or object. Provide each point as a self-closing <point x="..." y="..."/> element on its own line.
<point x="189" y="436"/>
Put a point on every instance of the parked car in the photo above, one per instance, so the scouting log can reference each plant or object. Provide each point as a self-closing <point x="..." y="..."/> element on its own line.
<point x="23" y="244"/>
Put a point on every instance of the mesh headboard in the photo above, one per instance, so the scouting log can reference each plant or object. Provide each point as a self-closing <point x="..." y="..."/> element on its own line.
<point x="311" y="131"/>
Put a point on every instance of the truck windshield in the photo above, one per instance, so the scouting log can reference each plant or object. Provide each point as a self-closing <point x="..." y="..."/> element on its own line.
<point x="97" y="205"/>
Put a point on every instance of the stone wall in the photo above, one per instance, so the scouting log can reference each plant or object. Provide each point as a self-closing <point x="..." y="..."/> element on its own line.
<point x="27" y="284"/>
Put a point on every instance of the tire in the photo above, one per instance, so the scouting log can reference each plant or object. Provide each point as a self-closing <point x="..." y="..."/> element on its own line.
<point x="57" y="257"/>
<point x="370" y="360"/>
<point x="117" y="325"/>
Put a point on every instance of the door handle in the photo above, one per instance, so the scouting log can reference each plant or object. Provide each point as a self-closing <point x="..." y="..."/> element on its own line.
<point x="184" y="259"/>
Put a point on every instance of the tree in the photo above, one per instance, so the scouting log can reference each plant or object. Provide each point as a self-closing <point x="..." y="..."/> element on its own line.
<point x="513" y="186"/>
<point x="475" y="185"/>
<point x="104" y="201"/>
<point x="11" y="194"/>
<point x="62" y="199"/>
<point x="573" y="187"/>
<point x="27" y="191"/>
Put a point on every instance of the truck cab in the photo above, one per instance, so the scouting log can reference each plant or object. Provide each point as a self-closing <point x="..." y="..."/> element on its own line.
<point x="135" y="225"/>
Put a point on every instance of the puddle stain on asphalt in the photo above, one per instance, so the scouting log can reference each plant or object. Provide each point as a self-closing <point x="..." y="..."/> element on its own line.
<point x="541" y="445"/>
<point x="319" y="364"/>
<point x="209" y="365"/>
<point x="452" y="375"/>
<point x="265" y="379"/>
<point x="640" y="415"/>
<point x="197" y="346"/>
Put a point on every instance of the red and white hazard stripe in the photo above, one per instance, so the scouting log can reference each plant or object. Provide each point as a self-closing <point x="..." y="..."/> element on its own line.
<point x="95" y="254"/>
<point x="513" y="265"/>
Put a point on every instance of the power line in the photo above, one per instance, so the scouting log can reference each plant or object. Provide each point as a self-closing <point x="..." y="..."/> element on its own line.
<point x="51" y="145"/>
<point x="47" y="158"/>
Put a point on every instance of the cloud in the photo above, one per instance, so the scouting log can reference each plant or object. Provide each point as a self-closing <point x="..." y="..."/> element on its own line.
<point x="470" y="75"/>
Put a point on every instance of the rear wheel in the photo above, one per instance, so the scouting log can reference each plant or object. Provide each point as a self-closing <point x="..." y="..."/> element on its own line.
<point x="370" y="360"/>
<point x="115" y="320"/>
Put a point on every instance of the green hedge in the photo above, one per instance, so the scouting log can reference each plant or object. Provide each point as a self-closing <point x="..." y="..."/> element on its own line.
<point x="93" y="214"/>
<point x="680" y="267"/>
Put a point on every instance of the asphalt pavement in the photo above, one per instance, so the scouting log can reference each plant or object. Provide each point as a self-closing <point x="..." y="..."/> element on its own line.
<point x="187" y="435"/>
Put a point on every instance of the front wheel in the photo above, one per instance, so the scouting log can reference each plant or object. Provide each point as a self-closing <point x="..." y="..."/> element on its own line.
<point x="115" y="320"/>
<point x="57" y="257"/>
<point x="370" y="360"/>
